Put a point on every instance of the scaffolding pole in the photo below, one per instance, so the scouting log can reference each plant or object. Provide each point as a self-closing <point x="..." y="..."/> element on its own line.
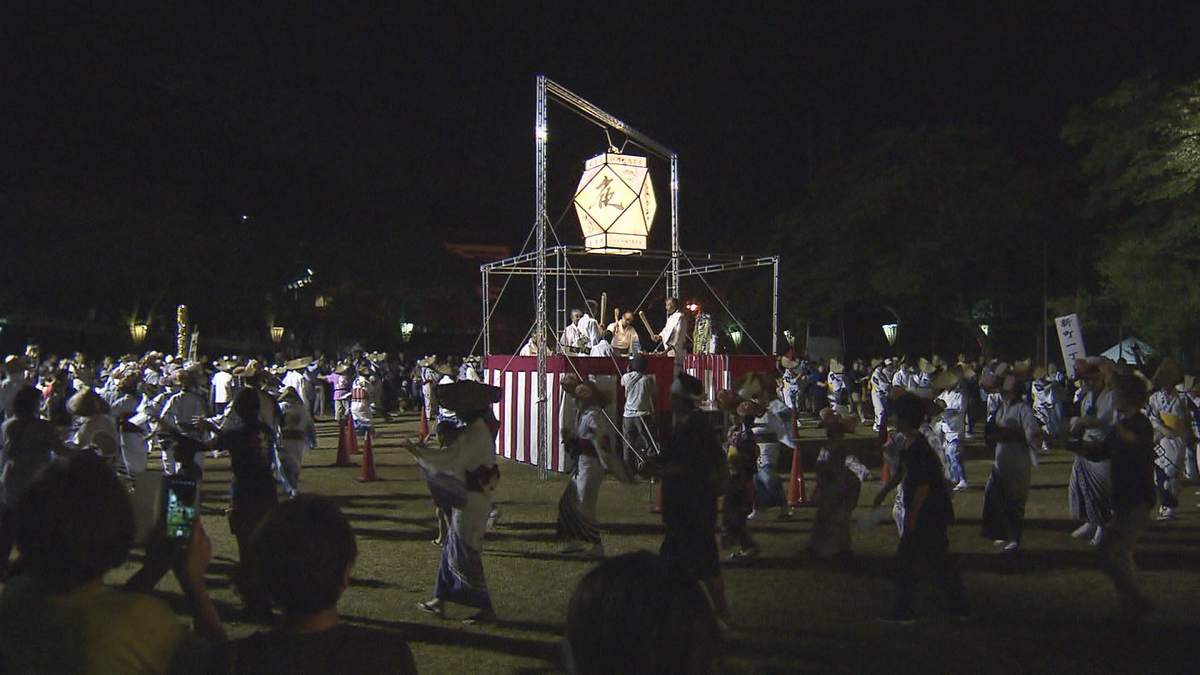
<point x="541" y="135"/>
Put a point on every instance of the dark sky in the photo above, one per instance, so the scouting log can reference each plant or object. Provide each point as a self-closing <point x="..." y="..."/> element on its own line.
<point x="420" y="115"/>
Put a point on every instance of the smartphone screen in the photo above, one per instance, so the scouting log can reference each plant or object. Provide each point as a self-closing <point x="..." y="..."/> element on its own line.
<point x="181" y="508"/>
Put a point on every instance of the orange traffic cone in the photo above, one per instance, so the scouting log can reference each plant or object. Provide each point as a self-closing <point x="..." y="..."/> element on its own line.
<point x="797" y="492"/>
<point x="352" y="438"/>
<point x="343" y="450"/>
<point x="368" y="464"/>
<point x="424" y="424"/>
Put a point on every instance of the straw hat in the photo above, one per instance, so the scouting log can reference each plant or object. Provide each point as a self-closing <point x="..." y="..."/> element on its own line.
<point x="946" y="379"/>
<point x="427" y="361"/>
<point x="731" y="402"/>
<point x="87" y="402"/>
<point x="1168" y="375"/>
<point x="341" y="369"/>
<point x="297" y="364"/>
<point x="836" y="366"/>
<point x="467" y="396"/>
<point x="991" y="383"/>
<point x="755" y="386"/>
<point x="14" y="363"/>
<point x="289" y="392"/>
<point x="568" y="382"/>
<point x="445" y="369"/>
<point x="588" y="392"/>
<point x="250" y="370"/>
<point x="787" y="363"/>
<point x="925" y="366"/>
<point x="830" y="419"/>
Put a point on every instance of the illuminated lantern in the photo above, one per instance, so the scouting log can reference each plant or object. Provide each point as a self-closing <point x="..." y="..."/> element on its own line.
<point x="615" y="203"/>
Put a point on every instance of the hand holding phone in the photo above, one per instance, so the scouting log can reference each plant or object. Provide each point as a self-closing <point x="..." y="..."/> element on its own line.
<point x="180" y="509"/>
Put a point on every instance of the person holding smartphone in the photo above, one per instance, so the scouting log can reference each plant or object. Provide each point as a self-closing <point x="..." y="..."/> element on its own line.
<point x="57" y="615"/>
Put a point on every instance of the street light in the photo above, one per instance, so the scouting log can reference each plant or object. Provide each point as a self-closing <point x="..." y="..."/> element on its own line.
<point x="276" y="334"/>
<point x="406" y="330"/>
<point x="137" y="331"/>
<point x="735" y="334"/>
<point x="889" y="331"/>
<point x="985" y="328"/>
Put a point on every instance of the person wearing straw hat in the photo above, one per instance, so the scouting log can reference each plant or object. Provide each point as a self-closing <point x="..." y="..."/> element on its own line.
<point x="1130" y="453"/>
<point x="462" y="478"/>
<point x="881" y="388"/>
<point x="1168" y="414"/>
<point x="1090" y="490"/>
<point x="836" y="391"/>
<point x="125" y="402"/>
<point x="952" y="425"/>
<point x="297" y="435"/>
<point x="737" y="501"/>
<point x="297" y="378"/>
<point x="1190" y="388"/>
<point x="770" y="432"/>
<point x="840" y="476"/>
<point x="1044" y="392"/>
<point x="1015" y="432"/>
<point x="180" y="414"/>
<point x="591" y="445"/>
<point x="340" y="382"/>
<point x="96" y="428"/>
<point x="792" y="385"/>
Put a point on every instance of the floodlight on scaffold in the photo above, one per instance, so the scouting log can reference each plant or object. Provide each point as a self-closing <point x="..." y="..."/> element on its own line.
<point x="615" y="203"/>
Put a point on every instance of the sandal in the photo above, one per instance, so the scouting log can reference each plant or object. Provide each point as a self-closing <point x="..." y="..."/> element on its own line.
<point x="432" y="607"/>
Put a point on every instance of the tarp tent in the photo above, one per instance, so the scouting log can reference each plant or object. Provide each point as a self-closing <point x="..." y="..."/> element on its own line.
<point x="1125" y="350"/>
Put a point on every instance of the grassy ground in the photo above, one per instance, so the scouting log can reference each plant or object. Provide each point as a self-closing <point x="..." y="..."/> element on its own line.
<point x="1045" y="610"/>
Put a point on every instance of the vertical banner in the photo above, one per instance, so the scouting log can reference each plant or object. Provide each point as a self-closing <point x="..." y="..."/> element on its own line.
<point x="1070" y="337"/>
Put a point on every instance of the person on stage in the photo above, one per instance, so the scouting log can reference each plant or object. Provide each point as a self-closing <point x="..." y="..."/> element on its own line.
<point x="673" y="336"/>
<point x="625" y="337"/>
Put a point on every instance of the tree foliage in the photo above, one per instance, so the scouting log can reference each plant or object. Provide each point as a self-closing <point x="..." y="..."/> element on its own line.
<point x="931" y="223"/>
<point x="1142" y="145"/>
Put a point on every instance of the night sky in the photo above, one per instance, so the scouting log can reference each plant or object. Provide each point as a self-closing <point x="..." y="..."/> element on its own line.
<point x="321" y="118"/>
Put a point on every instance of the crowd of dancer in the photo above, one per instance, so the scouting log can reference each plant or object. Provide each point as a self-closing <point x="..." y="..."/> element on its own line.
<point x="1134" y="438"/>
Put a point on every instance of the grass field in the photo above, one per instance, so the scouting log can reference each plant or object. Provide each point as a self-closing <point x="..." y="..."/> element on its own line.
<point x="1044" y="610"/>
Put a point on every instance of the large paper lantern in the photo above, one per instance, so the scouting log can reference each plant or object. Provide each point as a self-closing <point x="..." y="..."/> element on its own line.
<point x="615" y="203"/>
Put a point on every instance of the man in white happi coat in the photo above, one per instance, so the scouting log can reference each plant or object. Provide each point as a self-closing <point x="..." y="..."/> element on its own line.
<point x="881" y="386"/>
<point x="589" y="327"/>
<point x="673" y="336"/>
<point x="573" y="341"/>
<point x="625" y="337"/>
<point x="297" y="378"/>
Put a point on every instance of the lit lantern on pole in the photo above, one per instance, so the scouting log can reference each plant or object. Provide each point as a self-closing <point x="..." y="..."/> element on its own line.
<point x="615" y="203"/>
<point x="137" y="332"/>
<point x="889" y="331"/>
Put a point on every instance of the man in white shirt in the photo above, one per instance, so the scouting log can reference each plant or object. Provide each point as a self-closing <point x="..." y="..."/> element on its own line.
<point x="673" y="336"/>
<point x="952" y="425"/>
<point x="588" y="326"/>
<point x="14" y="379"/>
<point x="624" y="335"/>
<point x="221" y="385"/>
<point x="573" y="340"/>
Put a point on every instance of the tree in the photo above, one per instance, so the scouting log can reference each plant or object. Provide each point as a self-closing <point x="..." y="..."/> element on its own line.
<point x="1143" y="159"/>
<point x="930" y="223"/>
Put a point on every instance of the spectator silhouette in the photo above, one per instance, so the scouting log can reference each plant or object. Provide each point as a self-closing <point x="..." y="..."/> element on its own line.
<point x="641" y="614"/>
<point x="302" y="554"/>
<point x="73" y="525"/>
